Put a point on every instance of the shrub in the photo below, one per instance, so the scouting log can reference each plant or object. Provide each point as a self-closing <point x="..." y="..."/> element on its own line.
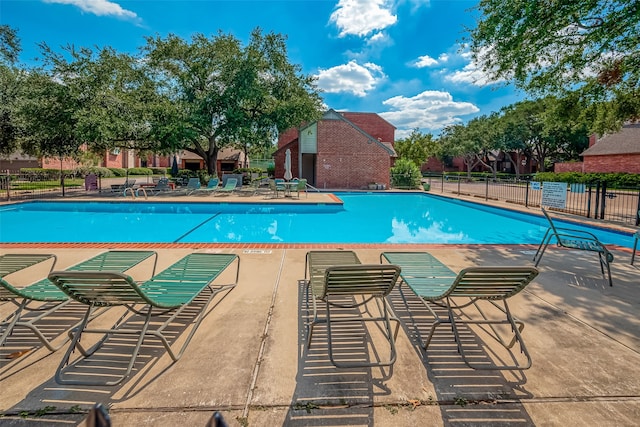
<point x="158" y="171"/>
<point x="405" y="174"/>
<point x="40" y="174"/>
<point x="140" y="171"/>
<point x="96" y="170"/>
<point x="118" y="172"/>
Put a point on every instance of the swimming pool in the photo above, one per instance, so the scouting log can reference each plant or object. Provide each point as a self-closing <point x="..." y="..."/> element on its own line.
<point x="363" y="218"/>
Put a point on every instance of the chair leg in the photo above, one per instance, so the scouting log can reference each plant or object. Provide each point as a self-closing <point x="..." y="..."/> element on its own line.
<point x="540" y="246"/>
<point x="385" y="318"/>
<point x="15" y="320"/>
<point x="543" y="247"/>
<point x="509" y="321"/>
<point x="635" y="245"/>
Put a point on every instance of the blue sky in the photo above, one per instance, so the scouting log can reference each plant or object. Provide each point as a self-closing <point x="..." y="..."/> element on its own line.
<point x="402" y="59"/>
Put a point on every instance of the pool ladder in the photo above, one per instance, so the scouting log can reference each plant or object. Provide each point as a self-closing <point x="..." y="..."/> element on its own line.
<point x="135" y="193"/>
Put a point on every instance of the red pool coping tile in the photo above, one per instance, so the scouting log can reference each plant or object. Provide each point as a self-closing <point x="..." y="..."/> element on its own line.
<point x="120" y="245"/>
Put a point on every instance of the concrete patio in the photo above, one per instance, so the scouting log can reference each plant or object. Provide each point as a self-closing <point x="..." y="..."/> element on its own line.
<point x="248" y="359"/>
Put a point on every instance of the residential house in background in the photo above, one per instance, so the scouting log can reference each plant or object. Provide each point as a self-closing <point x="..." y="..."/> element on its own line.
<point x="228" y="160"/>
<point x="618" y="152"/>
<point x="341" y="150"/>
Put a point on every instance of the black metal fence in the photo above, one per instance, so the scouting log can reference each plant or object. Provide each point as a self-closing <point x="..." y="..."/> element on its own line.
<point x="32" y="186"/>
<point x="592" y="200"/>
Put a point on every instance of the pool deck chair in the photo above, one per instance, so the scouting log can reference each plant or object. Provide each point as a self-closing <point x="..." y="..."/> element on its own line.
<point x="337" y="278"/>
<point x="193" y="185"/>
<point x="575" y="239"/>
<point x="31" y="298"/>
<point x="229" y="186"/>
<point x="212" y="187"/>
<point x="434" y="283"/>
<point x="636" y="237"/>
<point x="166" y="298"/>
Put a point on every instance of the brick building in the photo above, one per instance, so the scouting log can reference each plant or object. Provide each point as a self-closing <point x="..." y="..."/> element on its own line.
<point x="341" y="150"/>
<point x="618" y="152"/>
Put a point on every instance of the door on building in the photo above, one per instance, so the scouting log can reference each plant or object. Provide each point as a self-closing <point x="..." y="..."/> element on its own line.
<point x="309" y="168"/>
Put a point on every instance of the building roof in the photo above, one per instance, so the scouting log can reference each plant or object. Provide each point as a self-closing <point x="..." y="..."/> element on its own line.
<point x="226" y="153"/>
<point x="627" y="141"/>
<point x="334" y="115"/>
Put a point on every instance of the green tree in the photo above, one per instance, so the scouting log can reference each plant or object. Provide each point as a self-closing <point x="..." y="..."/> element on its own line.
<point x="110" y="96"/>
<point x="10" y="84"/>
<point x="457" y="141"/>
<point x="587" y="47"/>
<point x="417" y="147"/>
<point x="225" y="94"/>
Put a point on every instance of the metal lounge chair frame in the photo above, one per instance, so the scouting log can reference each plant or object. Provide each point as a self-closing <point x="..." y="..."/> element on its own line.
<point x="434" y="283"/>
<point x="335" y="274"/>
<point x="229" y="186"/>
<point x="213" y="185"/>
<point x="193" y="185"/>
<point x="575" y="239"/>
<point x="44" y="291"/>
<point x="169" y="292"/>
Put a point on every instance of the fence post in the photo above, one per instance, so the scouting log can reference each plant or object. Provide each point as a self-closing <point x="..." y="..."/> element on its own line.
<point x="589" y="200"/>
<point x="597" y="207"/>
<point x="526" y="195"/>
<point x="486" y="187"/>
<point x="8" y="184"/>
<point x="638" y="212"/>
<point x="603" y="205"/>
<point x="458" y="185"/>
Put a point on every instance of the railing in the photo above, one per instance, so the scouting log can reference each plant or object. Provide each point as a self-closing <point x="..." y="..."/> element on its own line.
<point x="593" y="200"/>
<point x="28" y="186"/>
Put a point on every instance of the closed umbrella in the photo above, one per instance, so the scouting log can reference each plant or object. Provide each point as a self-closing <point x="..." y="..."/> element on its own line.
<point x="287" y="165"/>
<point x="174" y="167"/>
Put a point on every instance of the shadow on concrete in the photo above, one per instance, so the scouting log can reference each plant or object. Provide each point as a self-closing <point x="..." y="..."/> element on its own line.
<point x="326" y="395"/>
<point x="69" y="404"/>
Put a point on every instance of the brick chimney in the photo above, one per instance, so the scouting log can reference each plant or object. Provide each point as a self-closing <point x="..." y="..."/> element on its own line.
<point x="593" y="138"/>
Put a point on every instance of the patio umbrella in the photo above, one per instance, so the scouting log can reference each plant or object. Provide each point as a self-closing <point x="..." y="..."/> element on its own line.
<point x="287" y="165"/>
<point x="174" y="167"/>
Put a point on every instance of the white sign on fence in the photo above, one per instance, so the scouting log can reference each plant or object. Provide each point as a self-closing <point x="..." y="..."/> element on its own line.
<point x="554" y="194"/>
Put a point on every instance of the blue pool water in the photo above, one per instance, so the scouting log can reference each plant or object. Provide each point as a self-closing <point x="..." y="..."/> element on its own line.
<point x="364" y="218"/>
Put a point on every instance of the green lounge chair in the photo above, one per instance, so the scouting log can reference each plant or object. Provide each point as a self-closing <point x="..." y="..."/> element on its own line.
<point x="162" y="186"/>
<point x="212" y="187"/>
<point x="334" y="275"/>
<point x="192" y="185"/>
<point x="229" y="186"/>
<point x="44" y="291"/>
<point x="167" y="297"/>
<point x="434" y="283"/>
<point x="575" y="239"/>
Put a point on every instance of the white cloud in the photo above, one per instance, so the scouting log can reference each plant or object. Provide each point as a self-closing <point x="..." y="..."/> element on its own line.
<point x="425" y="61"/>
<point x="351" y="77"/>
<point x="100" y="8"/>
<point x="429" y="110"/>
<point x="362" y="17"/>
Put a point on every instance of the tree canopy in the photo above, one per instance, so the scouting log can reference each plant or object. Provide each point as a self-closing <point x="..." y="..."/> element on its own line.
<point x="199" y="95"/>
<point x="591" y="48"/>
